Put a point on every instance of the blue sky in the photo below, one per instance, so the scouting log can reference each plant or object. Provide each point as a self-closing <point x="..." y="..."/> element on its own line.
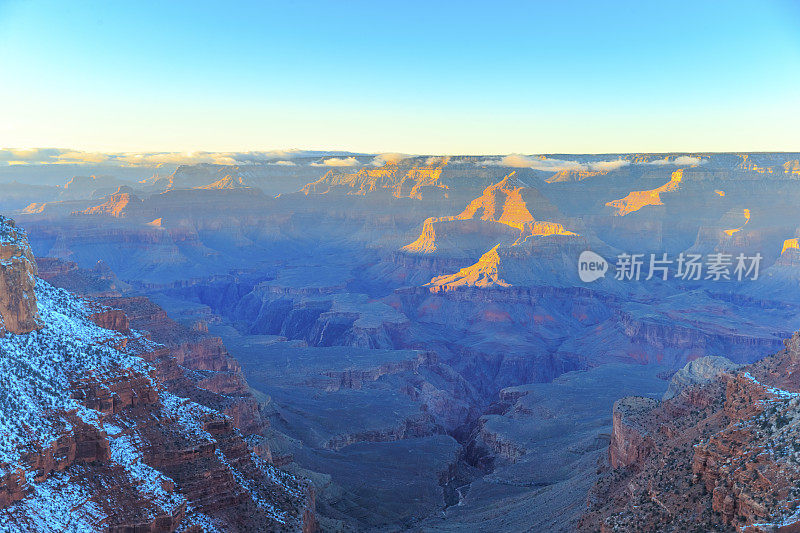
<point x="414" y="77"/>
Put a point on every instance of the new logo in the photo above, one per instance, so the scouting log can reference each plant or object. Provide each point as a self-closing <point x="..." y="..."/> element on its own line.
<point x="591" y="266"/>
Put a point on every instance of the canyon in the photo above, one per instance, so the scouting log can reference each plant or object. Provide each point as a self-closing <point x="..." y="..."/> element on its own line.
<point x="103" y="428"/>
<point x="406" y="343"/>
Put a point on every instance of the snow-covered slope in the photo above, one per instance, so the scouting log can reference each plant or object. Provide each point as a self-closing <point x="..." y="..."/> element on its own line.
<point x="90" y="440"/>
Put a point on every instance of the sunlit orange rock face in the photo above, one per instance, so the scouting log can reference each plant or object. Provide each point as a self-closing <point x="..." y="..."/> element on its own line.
<point x="792" y="167"/>
<point x="749" y="165"/>
<point x="502" y="213"/>
<point x="18" y="309"/>
<point x="542" y="229"/>
<point x="502" y="226"/>
<point x="501" y="202"/>
<point x="746" y="215"/>
<point x="574" y="175"/>
<point x="790" y="254"/>
<point x="484" y="273"/>
<point x="403" y="182"/>
<point x="226" y="182"/>
<point x="791" y="244"/>
<point x="121" y="203"/>
<point x="639" y="199"/>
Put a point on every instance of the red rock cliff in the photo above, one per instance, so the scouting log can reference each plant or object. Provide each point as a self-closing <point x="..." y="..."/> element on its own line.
<point x="718" y="456"/>
<point x="101" y="429"/>
<point x="18" y="310"/>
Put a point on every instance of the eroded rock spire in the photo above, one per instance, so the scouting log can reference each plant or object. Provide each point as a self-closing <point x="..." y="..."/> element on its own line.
<point x="18" y="309"/>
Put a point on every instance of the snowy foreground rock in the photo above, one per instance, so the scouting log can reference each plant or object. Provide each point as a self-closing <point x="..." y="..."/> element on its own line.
<point x="721" y="453"/>
<point x="91" y="440"/>
<point x="18" y="312"/>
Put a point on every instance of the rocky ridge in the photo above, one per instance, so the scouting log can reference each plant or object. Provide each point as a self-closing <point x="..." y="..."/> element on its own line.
<point x="18" y="309"/>
<point x="123" y="202"/>
<point x="492" y="335"/>
<point x="501" y="214"/>
<point x="717" y="455"/>
<point x="401" y="180"/>
<point x="636" y="200"/>
<point x="98" y="433"/>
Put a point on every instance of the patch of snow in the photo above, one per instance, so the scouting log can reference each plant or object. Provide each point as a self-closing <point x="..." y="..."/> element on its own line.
<point x="55" y="505"/>
<point x="36" y="368"/>
<point x="126" y="452"/>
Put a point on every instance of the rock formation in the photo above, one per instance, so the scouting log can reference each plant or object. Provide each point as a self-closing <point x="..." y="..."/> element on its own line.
<point x="639" y="199"/>
<point x="98" y="431"/>
<point x="226" y="182"/>
<point x="631" y="442"/>
<point x="790" y="244"/>
<point x="746" y="216"/>
<point x="699" y="371"/>
<point x="326" y="314"/>
<point x="18" y="309"/>
<point x="398" y="179"/>
<point x="719" y="452"/>
<point x="121" y="203"/>
<point x="498" y="224"/>
<point x="574" y="175"/>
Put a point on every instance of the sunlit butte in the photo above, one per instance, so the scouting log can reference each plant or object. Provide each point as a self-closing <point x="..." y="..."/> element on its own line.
<point x="639" y="199"/>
